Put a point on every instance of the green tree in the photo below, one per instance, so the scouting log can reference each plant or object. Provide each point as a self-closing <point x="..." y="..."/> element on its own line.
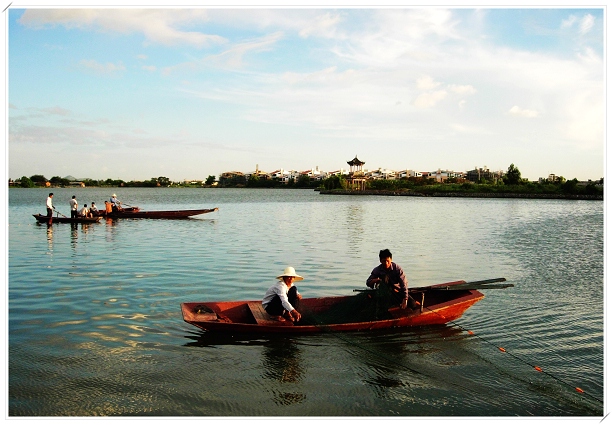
<point x="570" y="186"/>
<point x="513" y="175"/>
<point x="38" y="179"/>
<point x="26" y="182"/>
<point x="334" y="182"/>
<point x="303" y="181"/>
<point x="163" y="181"/>
<point x="253" y="181"/>
<point x="59" y="181"/>
<point x="210" y="180"/>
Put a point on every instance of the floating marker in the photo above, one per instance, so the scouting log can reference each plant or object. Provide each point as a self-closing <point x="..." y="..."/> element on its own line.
<point x="471" y="333"/>
<point x="502" y="349"/>
<point x="538" y="368"/>
<point x="580" y="390"/>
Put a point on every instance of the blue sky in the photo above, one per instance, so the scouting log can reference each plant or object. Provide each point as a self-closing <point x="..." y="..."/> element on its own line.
<point x="191" y="92"/>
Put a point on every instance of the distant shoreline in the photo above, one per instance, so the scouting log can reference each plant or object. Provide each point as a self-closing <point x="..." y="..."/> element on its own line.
<point x="464" y="194"/>
<point x="432" y="194"/>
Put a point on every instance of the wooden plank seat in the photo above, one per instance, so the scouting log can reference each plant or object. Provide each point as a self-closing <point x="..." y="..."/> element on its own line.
<point x="263" y="318"/>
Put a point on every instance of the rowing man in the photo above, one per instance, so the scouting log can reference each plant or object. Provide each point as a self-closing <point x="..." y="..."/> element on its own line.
<point x="50" y="205"/>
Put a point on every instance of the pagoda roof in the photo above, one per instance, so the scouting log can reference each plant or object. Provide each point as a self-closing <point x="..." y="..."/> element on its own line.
<point x="355" y="161"/>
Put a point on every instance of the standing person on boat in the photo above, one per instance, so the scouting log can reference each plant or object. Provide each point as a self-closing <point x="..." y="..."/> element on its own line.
<point x="74" y="207"/>
<point x="115" y="203"/>
<point x="280" y="299"/>
<point x="50" y="205"/>
<point x="390" y="279"/>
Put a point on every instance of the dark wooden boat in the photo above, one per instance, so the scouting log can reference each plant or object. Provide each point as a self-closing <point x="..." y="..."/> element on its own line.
<point x="44" y="219"/>
<point x="135" y="212"/>
<point x="439" y="304"/>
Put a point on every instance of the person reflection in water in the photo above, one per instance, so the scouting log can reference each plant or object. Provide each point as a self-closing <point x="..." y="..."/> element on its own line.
<point x="281" y="298"/>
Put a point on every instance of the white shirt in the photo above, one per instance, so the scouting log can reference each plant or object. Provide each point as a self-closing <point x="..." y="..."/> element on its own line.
<point x="280" y="289"/>
<point x="50" y="202"/>
<point x="73" y="204"/>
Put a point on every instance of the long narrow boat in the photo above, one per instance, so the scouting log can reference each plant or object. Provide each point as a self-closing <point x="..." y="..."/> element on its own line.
<point x="137" y="213"/>
<point x="439" y="304"/>
<point x="45" y="219"/>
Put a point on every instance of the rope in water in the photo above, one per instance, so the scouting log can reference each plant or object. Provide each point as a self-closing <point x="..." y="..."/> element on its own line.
<point x="318" y="323"/>
<point x="503" y="350"/>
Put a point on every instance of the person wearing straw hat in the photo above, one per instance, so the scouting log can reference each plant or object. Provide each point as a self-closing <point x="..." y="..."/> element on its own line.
<point x="280" y="299"/>
<point x="115" y="203"/>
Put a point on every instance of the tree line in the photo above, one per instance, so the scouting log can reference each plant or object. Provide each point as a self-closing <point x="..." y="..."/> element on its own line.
<point x="38" y="180"/>
<point x="511" y="182"/>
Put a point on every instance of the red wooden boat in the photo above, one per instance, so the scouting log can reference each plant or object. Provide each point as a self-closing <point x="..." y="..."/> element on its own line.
<point x="45" y="219"/>
<point x="439" y="304"/>
<point x="135" y="212"/>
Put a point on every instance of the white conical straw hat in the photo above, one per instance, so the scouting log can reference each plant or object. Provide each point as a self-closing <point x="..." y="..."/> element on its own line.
<point x="290" y="271"/>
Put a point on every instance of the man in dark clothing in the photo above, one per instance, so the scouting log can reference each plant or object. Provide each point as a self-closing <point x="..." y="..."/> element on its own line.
<point x="391" y="281"/>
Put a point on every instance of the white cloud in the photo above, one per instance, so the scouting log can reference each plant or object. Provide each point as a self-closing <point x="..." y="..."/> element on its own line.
<point x="427" y="83"/>
<point x="323" y="26"/>
<point x="569" y="22"/>
<point x="161" y="26"/>
<point x="233" y="57"/>
<point x="428" y="100"/>
<point x="462" y="89"/>
<point x="526" y="113"/>
<point x="586" y="23"/>
<point x="362" y="75"/>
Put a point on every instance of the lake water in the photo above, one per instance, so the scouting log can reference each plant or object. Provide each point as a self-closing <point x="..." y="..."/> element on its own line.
<point x="95" y="328"/>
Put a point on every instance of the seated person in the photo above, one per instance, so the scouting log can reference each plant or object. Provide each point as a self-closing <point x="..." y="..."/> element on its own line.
<point x="281" y="298"/>
<point x="85" y="212"/>
<point x="93" y="209"/>
<point x="391" y="281"/>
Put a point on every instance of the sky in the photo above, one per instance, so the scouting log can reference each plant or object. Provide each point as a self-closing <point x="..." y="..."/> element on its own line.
<point x="184" y="93"/>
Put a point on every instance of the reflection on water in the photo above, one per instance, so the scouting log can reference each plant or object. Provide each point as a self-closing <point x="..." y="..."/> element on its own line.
<point x="50" y="236"/>
<point x="281" y="362"/>
<point x="95" y="325"/>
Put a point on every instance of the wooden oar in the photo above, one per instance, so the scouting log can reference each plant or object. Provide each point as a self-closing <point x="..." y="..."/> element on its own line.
<point x="59" y="213"/>
<point x="466" y="287"/>
<point x="478" y="284"/>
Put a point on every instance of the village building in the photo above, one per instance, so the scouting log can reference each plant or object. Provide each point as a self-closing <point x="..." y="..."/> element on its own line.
<point x="483" y="173"/>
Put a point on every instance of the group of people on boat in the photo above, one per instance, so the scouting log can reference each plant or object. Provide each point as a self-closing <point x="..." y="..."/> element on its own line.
<point x="281" y="300"/>
<point x="85" y="212"/>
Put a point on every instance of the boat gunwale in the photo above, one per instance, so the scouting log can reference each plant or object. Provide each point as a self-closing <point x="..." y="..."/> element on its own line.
<point x="158" y="213"/>
<point x="84" y="220"/>
<point x="471" y="297"/>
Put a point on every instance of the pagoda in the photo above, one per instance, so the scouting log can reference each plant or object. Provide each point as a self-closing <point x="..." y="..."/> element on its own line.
<point x="356" y="179"/>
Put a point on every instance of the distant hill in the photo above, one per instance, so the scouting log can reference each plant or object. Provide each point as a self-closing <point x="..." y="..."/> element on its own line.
<point x="72" y="179"/>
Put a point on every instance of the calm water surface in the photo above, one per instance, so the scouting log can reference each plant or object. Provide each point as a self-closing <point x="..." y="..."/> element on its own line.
<point x="95" y="326"/>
